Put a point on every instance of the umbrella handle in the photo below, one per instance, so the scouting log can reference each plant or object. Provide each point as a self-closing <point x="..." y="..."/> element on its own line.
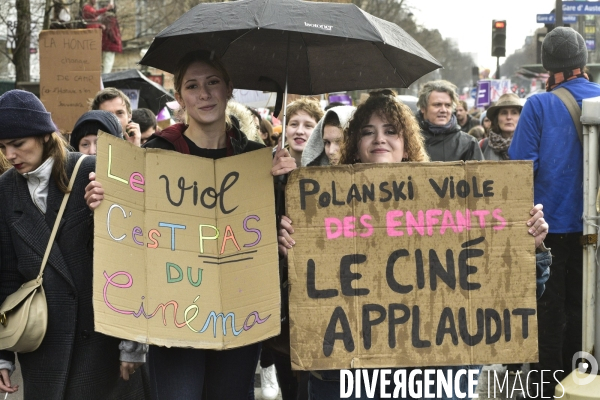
<point x="280" y="182"/>
<point x="287" y="67"/>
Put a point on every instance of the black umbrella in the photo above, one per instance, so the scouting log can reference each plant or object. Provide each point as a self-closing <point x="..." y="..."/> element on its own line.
<point x="152" y="95"/>
<point x="322" y="47"/>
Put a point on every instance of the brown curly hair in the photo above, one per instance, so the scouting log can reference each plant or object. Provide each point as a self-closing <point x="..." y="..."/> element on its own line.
<point x="384" y="104"/>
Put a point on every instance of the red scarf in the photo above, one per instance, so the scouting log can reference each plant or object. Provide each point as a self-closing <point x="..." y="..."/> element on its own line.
<point x="560" y="77"/>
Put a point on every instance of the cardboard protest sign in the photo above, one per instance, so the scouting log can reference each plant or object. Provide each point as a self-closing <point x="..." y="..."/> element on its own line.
<point x="412" y="264"/>
<point x="185" y="248"/>
<point x="70" y="69"/>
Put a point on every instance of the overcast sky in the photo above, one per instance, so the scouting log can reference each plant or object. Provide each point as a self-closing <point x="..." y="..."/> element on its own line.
<point x="469" y="22"/>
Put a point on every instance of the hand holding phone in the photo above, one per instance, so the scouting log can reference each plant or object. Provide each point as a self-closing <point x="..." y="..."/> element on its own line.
<point x="133" y="133"/>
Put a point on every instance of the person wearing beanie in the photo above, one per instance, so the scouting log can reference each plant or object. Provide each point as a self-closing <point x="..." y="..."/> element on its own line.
<point x="85" y="132"/>
<point x="547" y="135"/>
<point x="73" y="361"/>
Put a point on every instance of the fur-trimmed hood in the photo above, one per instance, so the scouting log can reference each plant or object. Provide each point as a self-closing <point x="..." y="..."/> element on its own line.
<point x="314" y="152"/>
<point x="245" y="119"/>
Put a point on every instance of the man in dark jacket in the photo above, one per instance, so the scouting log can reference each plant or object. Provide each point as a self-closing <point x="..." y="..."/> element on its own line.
<point x="465" y="121"/>
<point x="444" y="140"/>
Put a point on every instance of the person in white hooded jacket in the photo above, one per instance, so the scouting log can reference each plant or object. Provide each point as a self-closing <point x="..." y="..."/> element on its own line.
<point x="324" y="145"/>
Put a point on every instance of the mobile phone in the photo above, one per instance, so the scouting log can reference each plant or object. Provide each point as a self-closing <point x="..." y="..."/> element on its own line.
<point x="128" y="132"/>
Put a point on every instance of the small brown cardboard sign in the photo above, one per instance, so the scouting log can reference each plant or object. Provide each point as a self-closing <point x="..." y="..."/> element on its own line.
<point x="411" y="264"/>
<point x="185" y="248"/>
<point x="70" y="72"/>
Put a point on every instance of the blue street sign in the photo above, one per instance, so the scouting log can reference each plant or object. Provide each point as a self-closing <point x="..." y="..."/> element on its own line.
<point x="581" y="7"/>
<point x="474" y="93"/>
<point x="590" y="44"/>
<point x="549" y="19"/>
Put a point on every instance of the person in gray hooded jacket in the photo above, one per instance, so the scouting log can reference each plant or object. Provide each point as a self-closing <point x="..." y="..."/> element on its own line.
<point x="324" y="145"/>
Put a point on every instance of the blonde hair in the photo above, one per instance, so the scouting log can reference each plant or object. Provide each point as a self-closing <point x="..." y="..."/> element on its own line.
<point x="4" y="164"/>
<point x="384" y="104"/>
<point x="306" y="104"/>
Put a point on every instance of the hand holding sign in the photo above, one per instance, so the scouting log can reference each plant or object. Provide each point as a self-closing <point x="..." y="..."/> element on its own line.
<point x="94" y="193"/>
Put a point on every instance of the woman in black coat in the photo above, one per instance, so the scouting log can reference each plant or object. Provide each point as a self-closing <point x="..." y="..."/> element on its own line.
<point x="73" y="361"/>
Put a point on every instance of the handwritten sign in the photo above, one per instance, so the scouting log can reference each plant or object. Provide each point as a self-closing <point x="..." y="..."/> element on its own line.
<point x="70" y="70"/>
<point x="185" y="250"/>
<point x="412" y="264"/>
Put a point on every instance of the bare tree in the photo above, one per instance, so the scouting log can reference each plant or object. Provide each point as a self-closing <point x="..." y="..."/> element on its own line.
<point x="19" y="20"/>
<point x="457" y="65"/>
<point x="150" y="17"/>
<point x="22" y="40"/>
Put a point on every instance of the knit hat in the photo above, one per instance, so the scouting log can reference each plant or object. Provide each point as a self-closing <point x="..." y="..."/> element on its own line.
<point x="563" y="49"/>
<point x="89" y="124"/>
<point x="22" y="115"/>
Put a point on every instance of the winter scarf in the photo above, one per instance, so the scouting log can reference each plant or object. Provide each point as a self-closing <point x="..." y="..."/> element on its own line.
<point x="438" y="129"/>
<point x="500" y="145"/>
<point x="556" y="79"/>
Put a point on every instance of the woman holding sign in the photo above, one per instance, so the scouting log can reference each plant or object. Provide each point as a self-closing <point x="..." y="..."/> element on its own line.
<point x="203" y="89"/>
<point x="73" y="361"/>
<point x="383" y="130"/>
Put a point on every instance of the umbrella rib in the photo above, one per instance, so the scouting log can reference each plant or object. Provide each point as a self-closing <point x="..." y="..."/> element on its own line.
<point x="391" y="65"/>
<point x="236" y="39"/>
<point x="310" y="85"/>
<point x="384" y="56"/>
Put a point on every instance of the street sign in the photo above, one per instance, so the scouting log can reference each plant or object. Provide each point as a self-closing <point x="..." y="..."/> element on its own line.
<point x="483" y="94"/>
<point x="474" y="93"/>
<point x="550" y="19"/>
<point x="590" y="44"/>
<point x="581" y="7"/>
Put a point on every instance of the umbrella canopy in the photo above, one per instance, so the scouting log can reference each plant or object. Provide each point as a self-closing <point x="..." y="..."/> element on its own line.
<point x="152" y="95"/>
<point x="324" y="47"/>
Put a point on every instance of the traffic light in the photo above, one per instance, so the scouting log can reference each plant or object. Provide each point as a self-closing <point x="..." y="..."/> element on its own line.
<point x="475" y="75"/>
<point x="498" y="38"/>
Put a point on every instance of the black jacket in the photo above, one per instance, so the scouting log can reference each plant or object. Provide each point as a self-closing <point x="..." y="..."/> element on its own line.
<point x="73" y="361"/>
<point x="470" y="124"/>
<point x="450" y="145"/>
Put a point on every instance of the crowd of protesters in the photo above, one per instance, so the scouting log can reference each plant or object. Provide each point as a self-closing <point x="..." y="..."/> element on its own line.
<point x="75" y="362"/>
